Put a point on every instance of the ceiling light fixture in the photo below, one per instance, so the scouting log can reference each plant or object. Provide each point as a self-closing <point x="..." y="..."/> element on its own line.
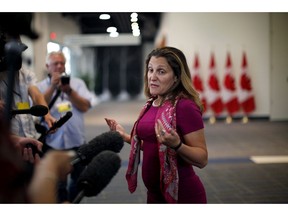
<point x="104" y="17"/>
<point x="111" y="29"/>
<point x="134" y="24"/>
<point x="114" y="34"/>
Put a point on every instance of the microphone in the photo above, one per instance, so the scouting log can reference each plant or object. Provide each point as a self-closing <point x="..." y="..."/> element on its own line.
<point x="97" y="174"/>
<point x="61" y="121"/>
<point x="111" y="140"/>
<point x="56" y="125"/>
<point x="37" y="110"/>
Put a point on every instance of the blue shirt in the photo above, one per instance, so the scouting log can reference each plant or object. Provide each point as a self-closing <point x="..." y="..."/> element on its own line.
<point x="71" y="134"/>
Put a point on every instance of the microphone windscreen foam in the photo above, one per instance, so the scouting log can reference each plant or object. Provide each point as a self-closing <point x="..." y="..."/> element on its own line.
<point x="110" y="140"/>
<point x="39" y="110"/>
<point x="99" y="173"/>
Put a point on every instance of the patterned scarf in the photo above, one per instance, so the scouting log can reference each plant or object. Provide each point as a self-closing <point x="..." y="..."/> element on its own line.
<point x="168" y="157"/>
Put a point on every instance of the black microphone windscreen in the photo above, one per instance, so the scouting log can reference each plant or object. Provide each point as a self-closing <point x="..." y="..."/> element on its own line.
<point x="110" y="140"/>
<point x="99" y="173"/>
<point x="39" y="110"/>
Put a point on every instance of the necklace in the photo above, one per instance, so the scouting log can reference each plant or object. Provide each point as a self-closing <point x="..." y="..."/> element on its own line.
<point x="155" y="103"/>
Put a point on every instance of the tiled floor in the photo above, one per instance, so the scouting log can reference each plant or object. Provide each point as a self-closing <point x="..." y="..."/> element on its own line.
<point x="231" y="175"/>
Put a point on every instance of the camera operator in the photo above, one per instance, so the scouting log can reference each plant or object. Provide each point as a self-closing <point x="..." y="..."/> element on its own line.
<point x="15" y="182"/>
<point x="68" y="94"/>
<point x="23" y="90"/>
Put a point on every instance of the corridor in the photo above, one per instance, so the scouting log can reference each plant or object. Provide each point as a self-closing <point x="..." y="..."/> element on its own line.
<point x="237" y="171"/>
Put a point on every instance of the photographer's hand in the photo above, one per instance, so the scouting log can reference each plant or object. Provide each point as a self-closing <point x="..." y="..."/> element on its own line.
<point x="56" y="80"/>
<point x="66" y="88"/>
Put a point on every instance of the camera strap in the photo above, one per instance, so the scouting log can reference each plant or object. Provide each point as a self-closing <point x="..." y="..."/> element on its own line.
<point x="54" y="99"/>
<point x="39" y="127"/>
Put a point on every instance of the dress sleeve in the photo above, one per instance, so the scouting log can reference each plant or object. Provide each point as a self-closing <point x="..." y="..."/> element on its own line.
<point x="189" y="117"/>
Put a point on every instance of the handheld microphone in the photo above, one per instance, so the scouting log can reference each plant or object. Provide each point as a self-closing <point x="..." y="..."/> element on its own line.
<point x="110" y="140"/>
<point x="37" y="110"/>
<point x="97" y="174"/>
<point x="56" y="125"/>
<point x="61" y="121"/>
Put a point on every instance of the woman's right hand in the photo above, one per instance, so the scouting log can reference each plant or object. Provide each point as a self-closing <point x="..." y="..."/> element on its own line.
<point x="114" y="126"/>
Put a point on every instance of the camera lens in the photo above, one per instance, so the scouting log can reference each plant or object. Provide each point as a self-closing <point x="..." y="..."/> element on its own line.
<point x="65" y="80"/>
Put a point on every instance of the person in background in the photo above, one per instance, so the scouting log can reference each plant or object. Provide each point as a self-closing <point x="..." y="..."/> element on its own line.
<point x="24" y="91"/>
<point x="69" y="94"/>
<point x="169" y="131"/>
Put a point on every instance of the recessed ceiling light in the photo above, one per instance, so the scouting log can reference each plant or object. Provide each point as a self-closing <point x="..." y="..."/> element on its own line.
<point x="134" y="15"/>
<point x="111" y="29"/>
<point x="114" y="34"/>
<point x="104" y="16"/>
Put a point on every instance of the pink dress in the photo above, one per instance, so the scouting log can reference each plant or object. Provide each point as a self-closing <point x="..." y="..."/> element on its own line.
<point x="191" y="189"/>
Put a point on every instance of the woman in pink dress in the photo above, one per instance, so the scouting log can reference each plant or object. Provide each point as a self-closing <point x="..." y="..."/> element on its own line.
<point x="169" y="132"/>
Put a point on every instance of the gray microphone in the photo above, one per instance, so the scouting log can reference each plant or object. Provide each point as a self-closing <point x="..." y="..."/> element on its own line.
<point x="97" y="174"/>
<point x="110" y="140"/>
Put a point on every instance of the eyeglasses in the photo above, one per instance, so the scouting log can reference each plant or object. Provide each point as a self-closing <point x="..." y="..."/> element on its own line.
<point x="56" y="63"/>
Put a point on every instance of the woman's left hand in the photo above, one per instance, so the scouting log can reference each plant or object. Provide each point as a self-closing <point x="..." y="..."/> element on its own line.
<point x="169" y="138"/>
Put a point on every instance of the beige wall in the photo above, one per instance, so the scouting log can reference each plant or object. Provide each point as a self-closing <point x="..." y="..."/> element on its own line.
<point x="279" y="66"/>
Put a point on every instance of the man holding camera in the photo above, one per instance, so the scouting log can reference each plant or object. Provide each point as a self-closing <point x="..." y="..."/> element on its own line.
<point x="63" y="94"/>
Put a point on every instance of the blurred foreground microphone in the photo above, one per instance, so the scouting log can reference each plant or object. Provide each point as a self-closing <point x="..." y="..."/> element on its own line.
<point x="97" y="174"/>
<point x="37" y="110"/>
<point x="110" y="140"/>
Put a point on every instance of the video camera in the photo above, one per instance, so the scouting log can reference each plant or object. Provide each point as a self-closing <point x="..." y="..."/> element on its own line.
<point x="12" y="25"/>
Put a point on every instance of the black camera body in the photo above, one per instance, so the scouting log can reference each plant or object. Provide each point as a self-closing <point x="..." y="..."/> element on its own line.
<point x="65" y="80"/>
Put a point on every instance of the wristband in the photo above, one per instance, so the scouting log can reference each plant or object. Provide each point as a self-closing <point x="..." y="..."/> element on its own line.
<point x="178" y="146"/>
